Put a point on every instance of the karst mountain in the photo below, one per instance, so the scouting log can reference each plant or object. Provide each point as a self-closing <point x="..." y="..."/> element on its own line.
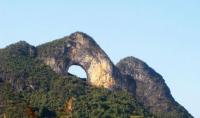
<point x="35" y="83"/>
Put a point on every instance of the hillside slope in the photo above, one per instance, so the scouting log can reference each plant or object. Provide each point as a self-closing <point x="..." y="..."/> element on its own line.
<point x="34" y="81"/>
<point x="30" y="88"/>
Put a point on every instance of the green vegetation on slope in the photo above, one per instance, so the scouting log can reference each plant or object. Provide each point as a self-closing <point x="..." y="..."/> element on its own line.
<point x="29" y="88"/>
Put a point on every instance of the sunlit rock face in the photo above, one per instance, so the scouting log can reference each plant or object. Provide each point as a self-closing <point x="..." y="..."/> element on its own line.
<point x="83" y="51"/>
<point x="80" y="49"/>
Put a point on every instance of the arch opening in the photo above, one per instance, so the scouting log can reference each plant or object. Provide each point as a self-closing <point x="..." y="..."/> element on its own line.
<point x="78" y="71"/>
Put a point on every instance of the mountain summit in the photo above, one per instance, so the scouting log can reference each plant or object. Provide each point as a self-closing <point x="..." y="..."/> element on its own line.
<point x="36" y="80"/>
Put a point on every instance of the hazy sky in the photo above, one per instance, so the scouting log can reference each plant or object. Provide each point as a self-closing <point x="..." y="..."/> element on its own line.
<point x="164" y="34"/>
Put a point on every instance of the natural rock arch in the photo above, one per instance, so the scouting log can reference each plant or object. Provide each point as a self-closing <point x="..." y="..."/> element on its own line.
<point x="78" y="71"/>
<point x="80" y="49"/>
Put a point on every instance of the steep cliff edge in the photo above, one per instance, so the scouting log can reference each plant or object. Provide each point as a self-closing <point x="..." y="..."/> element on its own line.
<point x="151" y="89"/>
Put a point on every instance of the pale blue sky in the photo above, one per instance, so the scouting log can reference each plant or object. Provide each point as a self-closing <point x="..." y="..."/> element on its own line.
<point x="165" y="34"/>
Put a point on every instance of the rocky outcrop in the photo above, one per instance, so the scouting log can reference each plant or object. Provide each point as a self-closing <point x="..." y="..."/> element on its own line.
<point x="80" y="49"/>
<point x="151" y="89"/>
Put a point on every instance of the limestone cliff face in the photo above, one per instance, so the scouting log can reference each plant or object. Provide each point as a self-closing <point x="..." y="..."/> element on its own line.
<point x="151" y="89"/>
<point x="80" y="49"/>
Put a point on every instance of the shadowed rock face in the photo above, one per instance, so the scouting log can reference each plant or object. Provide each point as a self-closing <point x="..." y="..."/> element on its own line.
<point x="151" y="89"/>
<point x="80" y="49"/>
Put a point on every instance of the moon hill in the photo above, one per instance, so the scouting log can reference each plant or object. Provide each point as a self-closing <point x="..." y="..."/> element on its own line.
<point x="35" y="83"/>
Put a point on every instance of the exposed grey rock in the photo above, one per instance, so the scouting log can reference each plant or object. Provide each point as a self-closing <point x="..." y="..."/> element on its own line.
<point x="151" y="89"/>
